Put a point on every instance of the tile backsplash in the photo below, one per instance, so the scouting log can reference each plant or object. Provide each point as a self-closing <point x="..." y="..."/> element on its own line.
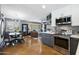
<point x="52" y="28"/>
<point x="69" y="29"/>
<point x="63" y="28"/>
<point x="75" y="29"/>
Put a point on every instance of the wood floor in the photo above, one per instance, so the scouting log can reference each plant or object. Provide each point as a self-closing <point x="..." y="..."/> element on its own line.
<point x="30" y="48"/>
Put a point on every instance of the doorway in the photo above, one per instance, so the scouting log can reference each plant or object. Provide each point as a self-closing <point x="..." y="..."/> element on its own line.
<point x="25" y="29"/>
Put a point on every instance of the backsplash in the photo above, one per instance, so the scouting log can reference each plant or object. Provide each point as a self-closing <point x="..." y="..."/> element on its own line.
<point x="52" y="28"/>
<point x="64" y="29"/>
<point x="75" y="29"/>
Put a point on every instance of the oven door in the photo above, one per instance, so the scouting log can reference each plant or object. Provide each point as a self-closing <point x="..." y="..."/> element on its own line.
<point x="62" y="45"/>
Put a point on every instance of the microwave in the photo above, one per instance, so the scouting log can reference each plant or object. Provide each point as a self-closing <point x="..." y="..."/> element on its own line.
<point x="63" y="20"/>
<point x="68" y="19"/>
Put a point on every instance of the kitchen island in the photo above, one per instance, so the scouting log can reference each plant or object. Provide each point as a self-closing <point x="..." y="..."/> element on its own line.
<point x="47" y="38"/>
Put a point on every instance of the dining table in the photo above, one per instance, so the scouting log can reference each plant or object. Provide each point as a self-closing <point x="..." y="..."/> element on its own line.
<point x="14" y="36"/>
<point x="14" y="33"/>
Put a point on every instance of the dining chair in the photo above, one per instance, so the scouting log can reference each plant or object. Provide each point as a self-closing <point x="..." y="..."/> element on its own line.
<point x="6" y="38"/>
<point x="19" y="39"/>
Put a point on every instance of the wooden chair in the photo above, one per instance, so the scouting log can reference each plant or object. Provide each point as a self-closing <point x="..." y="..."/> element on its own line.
<point x="34" y="34"/>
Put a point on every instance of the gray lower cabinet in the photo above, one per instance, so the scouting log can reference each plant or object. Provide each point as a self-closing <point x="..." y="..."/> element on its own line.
<point x="47" y="39"/>
<point x="73" y="46"/>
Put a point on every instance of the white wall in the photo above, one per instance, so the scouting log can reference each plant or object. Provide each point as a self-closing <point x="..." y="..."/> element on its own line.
<point x="71" y="10"/>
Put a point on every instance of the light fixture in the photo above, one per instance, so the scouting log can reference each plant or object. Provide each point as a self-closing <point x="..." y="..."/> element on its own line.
<point x="43" y="6"/>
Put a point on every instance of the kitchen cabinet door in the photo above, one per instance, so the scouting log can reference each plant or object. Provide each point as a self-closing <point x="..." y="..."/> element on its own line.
<point x="73" y="45"/>
<point x="47" y="39"/>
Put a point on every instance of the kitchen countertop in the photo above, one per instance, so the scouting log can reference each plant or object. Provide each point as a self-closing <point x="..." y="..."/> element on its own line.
<point x="75" y="36"/>
<point x="48" y="32"/>
<point x="68" y="36"/>
<point x="57" y="35"/>
<point x="62" y="36"/>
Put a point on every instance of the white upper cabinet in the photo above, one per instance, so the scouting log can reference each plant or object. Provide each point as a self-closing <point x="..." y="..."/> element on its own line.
<point x="71" y="10"/>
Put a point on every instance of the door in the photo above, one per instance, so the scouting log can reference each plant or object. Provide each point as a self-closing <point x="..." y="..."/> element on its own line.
<point x="25" y="29"/>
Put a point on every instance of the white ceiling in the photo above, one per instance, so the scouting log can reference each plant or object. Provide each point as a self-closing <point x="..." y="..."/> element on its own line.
<point x="30" y="11"/>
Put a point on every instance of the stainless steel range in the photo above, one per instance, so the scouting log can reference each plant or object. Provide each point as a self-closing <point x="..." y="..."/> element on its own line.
<point x="62" y="44"/>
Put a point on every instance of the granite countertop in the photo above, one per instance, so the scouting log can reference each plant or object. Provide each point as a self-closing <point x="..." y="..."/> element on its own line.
<point x="68" y="36"/>
<point x="75" y="36"/>
<point x="62" y="36"/>
<point x="48" y="32"/>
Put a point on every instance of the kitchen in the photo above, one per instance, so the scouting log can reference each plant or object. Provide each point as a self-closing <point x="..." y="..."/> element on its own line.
<point x="66" y="29"/>
<point x="59" y="29"/>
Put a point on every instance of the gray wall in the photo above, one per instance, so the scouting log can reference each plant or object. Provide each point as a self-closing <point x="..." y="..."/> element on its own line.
<point x="75" y="29"/>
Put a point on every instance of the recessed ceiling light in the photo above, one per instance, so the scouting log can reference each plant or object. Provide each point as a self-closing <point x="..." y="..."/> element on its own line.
<point x="43" y="6"/>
